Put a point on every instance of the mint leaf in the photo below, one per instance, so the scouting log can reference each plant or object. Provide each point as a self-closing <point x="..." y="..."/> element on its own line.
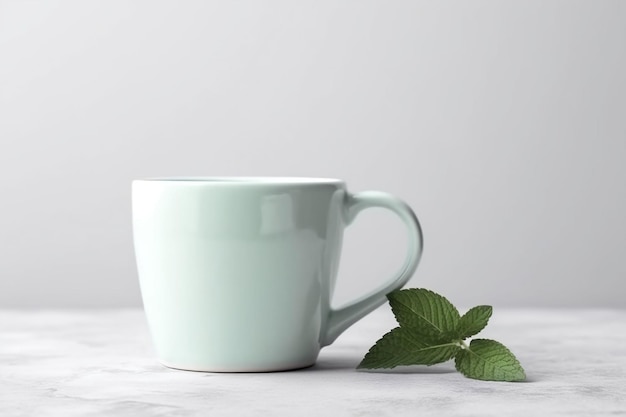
<point x="402" y="346"/>
<point x="431" y="331"/>
<point x="490" y="361"/>
<point x="474" y="321"/>
<point x="432" y="313"/>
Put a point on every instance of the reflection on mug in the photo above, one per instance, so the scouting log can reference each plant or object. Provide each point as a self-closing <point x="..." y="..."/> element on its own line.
<point x="277" y="214"/>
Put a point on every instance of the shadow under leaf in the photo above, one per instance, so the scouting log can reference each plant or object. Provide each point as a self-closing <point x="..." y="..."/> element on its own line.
<point x="414" y="369"/>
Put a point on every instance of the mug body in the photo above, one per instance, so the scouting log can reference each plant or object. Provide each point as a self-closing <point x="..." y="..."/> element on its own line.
<point x="237" y="274"/>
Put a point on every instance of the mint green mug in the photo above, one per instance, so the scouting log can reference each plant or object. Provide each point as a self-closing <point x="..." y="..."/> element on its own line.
<point x="237" y="274"/>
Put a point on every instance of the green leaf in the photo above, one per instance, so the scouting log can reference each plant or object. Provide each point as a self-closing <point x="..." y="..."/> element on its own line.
<point x="425" y="310"/>
<point x="403" y="346"/>
<point x="490" y="361"/>
<point x="474" y="321"/>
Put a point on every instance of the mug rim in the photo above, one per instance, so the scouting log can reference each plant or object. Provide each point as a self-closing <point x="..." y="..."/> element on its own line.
<point x="244" y="180"/>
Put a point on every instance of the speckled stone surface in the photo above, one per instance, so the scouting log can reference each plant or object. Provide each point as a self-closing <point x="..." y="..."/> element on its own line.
<point x="100" y="363"/>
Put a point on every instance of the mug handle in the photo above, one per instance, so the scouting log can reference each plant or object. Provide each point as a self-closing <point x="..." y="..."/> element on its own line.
<point x="339" y="320"/>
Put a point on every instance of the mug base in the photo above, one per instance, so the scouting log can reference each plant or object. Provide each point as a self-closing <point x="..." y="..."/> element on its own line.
<point x="291" y="367"/>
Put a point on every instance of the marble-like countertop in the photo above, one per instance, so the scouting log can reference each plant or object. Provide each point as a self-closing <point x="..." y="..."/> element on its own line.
<point x="101" y="363"/>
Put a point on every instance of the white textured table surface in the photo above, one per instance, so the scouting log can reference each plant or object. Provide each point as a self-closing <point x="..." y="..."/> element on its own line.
<point x="100" y="363"/>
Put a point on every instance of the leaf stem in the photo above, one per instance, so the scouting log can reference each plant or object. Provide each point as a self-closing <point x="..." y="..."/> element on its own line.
<point x="462" y="345"/>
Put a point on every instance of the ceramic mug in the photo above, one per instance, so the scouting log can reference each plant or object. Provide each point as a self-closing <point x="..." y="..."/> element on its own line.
<point x="237" y="274"/>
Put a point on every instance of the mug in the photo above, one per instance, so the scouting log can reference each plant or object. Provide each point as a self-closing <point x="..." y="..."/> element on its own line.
<point x="237" y="273"/>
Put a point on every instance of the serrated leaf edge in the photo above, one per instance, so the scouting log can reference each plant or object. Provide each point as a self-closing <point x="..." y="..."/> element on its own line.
<point x="464" y="336"/>
<point x="392" y="300"/>
<point x="427" y="348"/>
<point x="468" y="350"/>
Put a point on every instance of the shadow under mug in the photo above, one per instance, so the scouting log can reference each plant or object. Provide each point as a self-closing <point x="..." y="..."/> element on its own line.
<point x="237" y="274"/>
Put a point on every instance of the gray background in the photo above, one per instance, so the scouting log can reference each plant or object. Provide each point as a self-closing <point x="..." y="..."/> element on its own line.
<point x="502" y="123"/>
